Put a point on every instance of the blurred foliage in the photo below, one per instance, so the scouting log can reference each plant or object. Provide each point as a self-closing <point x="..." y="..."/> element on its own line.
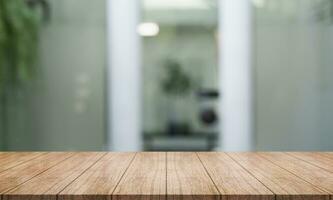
<point x="177" y="82"/>
<point x="324" y="11"/>
<point x="19" y="26"/>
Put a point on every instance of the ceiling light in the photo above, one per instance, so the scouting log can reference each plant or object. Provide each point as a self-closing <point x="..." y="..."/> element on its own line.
<point x="148" y="29"/>
<point x="259" y="3"/>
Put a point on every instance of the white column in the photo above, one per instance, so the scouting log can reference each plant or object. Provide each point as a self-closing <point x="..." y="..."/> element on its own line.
<point x="124" y="72"/>
<point x="236" y="75"/>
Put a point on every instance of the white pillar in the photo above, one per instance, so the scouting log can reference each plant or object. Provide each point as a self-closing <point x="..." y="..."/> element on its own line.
<point x="124" y="72"/>
<point x="235" y="22"/>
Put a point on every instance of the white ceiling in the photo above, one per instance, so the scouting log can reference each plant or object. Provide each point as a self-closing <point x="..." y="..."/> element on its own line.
<point x="178" y="4"/>
<point x="180" y="12"/>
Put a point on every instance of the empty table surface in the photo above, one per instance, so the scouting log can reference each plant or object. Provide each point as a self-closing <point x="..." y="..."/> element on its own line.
<point x="166" y="175"/>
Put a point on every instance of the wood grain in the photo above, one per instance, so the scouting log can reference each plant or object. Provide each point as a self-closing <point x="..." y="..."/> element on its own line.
<point x="327" y="154"/>
<point x="11" y="159"/>
<point x="99" y="181"/>
<point x="302" y="169"/>
<point x="187" y="178"/>
<point x="15" y="176"/>
<point x="315" y="159"/>
<point x="144" y="179"/>
<point x="232" y="180"/>
<point x="166" y="176"/>
<point x="282" y="183"/>
<point x="48" y="184"/>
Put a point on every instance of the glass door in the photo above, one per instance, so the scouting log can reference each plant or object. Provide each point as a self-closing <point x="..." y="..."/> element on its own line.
<point x="179" y="69"/>
<point x="293" y="47"/>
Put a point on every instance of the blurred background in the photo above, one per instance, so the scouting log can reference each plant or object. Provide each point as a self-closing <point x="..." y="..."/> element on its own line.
<point x="176" y="75"/>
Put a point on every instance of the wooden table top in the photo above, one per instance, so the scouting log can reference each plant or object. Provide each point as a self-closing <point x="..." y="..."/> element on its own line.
<point x="166" y="175"/>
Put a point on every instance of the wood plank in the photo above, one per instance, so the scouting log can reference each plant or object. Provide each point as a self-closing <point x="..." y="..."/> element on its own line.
<point x="233" y="182"/>
<point x="322" y="153"/>
<point x="310" y="173"/>
<point x="315" y="159"/>
<point x="4" y="154"/>
<point x="100" y="180"/>
<point x="281" y="182"/>
<point x="16" y="176"/>
<point x="48" y="184"/>
<point x="12" y="159"/>
<point x="187" y="178"/>
<point x="182" y="175"/>
<point x="144" y="179"/>
<point x="327" y="154"/>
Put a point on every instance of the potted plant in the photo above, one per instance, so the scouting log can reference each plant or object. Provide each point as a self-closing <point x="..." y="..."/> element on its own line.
<point x="176" y="85"/>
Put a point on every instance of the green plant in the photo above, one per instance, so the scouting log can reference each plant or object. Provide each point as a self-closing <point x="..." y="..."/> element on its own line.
<point x="19" y="26"/>
<point x="323" y="10"/>
<point x="177" y="82"/>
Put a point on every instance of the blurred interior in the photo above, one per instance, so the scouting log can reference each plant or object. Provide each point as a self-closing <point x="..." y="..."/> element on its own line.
<point x="152" y="75"/>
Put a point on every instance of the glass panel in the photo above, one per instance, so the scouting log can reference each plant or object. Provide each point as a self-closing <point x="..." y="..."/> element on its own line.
<point x="62" y="106"/>
<point x="293" y="70"/>
<point x="179" y="48"/>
